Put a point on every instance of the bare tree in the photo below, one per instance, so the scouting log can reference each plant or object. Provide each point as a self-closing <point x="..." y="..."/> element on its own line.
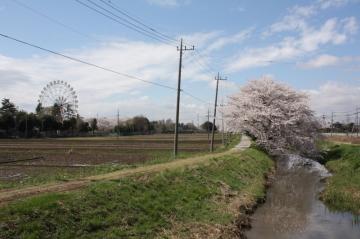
<point x="93" y="125"/>
<point x="105" y="124"/>
<point x="276" y="116"/>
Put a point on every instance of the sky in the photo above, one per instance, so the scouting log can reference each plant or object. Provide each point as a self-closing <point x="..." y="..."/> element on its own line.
<point x="313" y="46"/>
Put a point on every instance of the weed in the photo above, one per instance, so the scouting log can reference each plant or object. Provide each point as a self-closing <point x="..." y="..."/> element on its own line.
<point x="138" y="208"/>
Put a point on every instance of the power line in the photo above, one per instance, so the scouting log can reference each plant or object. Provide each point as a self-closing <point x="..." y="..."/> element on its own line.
<point x="125" y="20"/>
<point x="116" y="8"/>
<point x="218" y="78"/>
<point x="181" y="49"/>
<point x="57" y="22"/>
<point x="204" y="66"/>
<point x="116" y="20"/>
<point x="86" y="63"/>
<point x="345" y="113"/>
<point x="208" y="66"/>
<point x="201" y="64"/>
<point x="101" y="67"/>
<point x="53" y="20"/>
<point x="128" y="24"/>
<point x="195" y="97"/>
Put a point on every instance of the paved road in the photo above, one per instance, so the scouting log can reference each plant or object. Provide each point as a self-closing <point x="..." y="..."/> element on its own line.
<point x="244" y="144"/>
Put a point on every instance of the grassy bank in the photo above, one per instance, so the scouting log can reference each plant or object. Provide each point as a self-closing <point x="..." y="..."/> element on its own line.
<point x="342" y="191"/>
<point x="39" y="176"/>
<point x="201" y="201"/>
<point x="98" y="160"/>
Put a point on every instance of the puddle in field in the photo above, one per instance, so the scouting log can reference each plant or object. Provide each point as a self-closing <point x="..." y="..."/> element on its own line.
<point x="293" y="211"/>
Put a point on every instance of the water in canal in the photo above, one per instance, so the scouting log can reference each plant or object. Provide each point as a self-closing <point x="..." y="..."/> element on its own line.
<point x="292" y="209"/>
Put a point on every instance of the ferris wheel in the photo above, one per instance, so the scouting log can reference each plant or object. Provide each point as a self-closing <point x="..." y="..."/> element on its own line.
<point x="63" y="95"/>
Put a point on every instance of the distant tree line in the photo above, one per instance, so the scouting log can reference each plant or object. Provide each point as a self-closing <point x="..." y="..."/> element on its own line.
<point x="50" y="123"/>
<point x="142" y="125"/>
<point x="19" y="123"/>
<point x="338" y="127"/>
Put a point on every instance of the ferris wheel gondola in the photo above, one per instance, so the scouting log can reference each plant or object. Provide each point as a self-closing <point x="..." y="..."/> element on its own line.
<point x="60" y="93"/>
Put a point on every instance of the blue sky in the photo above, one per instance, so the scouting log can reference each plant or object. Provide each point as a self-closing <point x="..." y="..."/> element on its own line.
<point x="310" y="45"/>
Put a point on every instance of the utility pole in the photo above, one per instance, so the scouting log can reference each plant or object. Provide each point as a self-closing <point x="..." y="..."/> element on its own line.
<point x="347" y="124"/>
<point x="357" y="121"/>
<point x="354" y="124"/>
<point x="222" y="128"/>
<point x="118" y="123"/>
<point x="208" y="125"/>
<point x="222" y="123"/>
<point x="176" y="139"/>
<point x="332" y="123"/>
<point x="214" y="120"/>
<point x="198" y="121"/>
<point x="26" y="125"/>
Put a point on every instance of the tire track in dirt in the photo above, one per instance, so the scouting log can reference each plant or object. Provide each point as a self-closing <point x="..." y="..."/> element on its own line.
<point x="10" y="195"/>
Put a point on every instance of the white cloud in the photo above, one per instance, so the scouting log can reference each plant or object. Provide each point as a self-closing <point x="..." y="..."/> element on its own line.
<point x="224" y="41"/>
<point x="333" y="31"/>
<point x="324" y="4"/>
<point x="305" y="11"/>
<point x="327" y="60"/>
<point x="350" y="25"/>
<point x="101" y="92"/>
<point x="309" y="38"/>
<point x="334" y="97"/>
<point x="296" y="18"/>
<point x="321" y="61"/>
<point x="200" y="38"/>
<point x="169" y="3"/>
<point x="14" y="77"/>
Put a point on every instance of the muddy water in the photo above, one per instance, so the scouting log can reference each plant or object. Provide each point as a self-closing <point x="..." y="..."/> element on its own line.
<point x="292" y="210"/>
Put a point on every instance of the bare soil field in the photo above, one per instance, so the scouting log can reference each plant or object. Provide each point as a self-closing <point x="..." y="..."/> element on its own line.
<point x="32" y="161"/>
<point x="11" y="194"/>
<point x="344" y="139"/>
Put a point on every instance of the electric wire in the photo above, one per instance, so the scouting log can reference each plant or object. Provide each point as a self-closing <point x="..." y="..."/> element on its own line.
<point x="115" y="19"/>
<point x="208" y="66"/>
<point x="37" y="12"/>
<point x="85" y="62"/>
<point x="86" y="5"/>
<point x="101" y="67"/>
<point x="116" y="8"/>
<point x="195" y="97"/>
<point x="53" y="20"/>
<point x="127" y="21"/>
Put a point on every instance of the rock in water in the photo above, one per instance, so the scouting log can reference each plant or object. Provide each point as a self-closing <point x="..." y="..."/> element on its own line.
<point x="295" y="161"/>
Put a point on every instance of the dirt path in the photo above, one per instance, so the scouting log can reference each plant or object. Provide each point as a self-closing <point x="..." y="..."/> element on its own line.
<point x="10" y="195"/>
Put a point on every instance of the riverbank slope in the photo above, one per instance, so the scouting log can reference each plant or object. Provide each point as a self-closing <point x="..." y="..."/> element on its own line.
<point x="198" y="201"/>
<point x="342" y="191"/>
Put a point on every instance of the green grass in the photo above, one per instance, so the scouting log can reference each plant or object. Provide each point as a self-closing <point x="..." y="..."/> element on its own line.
<point x="61" y="175"/>
<point x="53" y="175"/>
<point x="342" y="190"/>
<point x="141" y="207"/>
<point x="65" y="174"/>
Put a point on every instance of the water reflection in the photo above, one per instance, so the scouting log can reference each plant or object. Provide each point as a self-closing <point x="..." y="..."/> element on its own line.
<point x="356" y="220"/>
<point x="292" y="210"/>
